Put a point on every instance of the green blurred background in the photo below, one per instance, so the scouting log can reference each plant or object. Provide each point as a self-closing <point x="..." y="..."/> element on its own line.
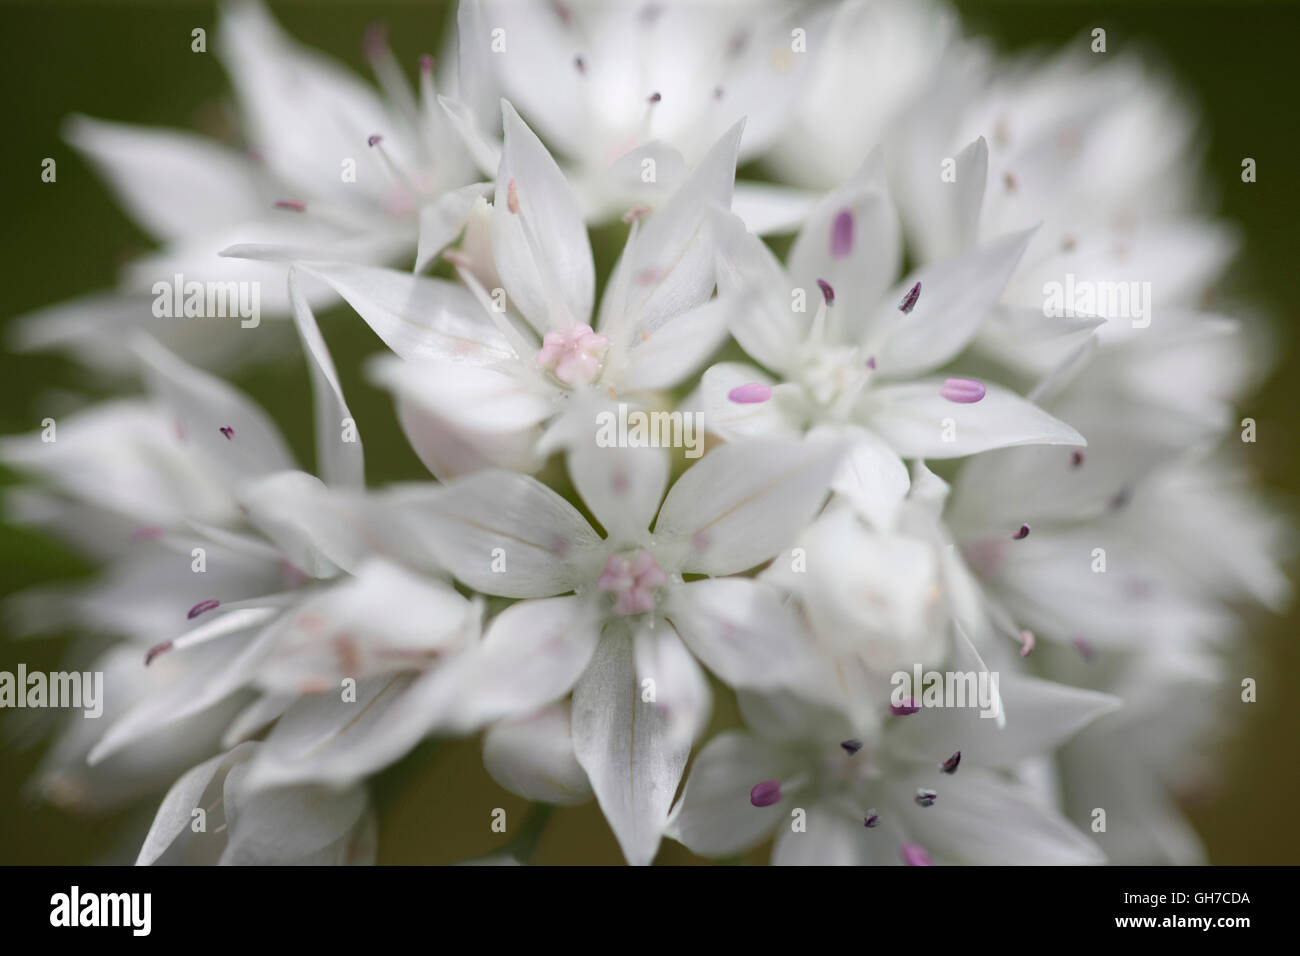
<point x="131" y="61"/>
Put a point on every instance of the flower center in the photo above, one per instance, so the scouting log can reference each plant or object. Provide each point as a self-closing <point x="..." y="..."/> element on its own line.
<point x="633" y="582"/>
<point x="574" y="354"/>
<point x="830" y="374"/>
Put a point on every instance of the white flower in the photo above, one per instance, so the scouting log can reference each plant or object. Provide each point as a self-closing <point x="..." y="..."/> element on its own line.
<point x="627" y="617"/>
<point x="934" y="786"/>
<point x="475" y="388"/>
<point x="874" y="78"/>
<point x="332" y="169"/>
<point x="213" y="816"/>
<point x="848" y="369"/>
<point x="632" y="94"/>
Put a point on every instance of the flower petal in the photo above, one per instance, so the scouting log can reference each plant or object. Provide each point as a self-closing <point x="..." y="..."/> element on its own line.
<point x="669" y="268"/>
<point x="957" y="295"/>
<point x="204" y="405"/>
<point x="341" y="460"/>
<point x="851" y="240"/>
<point x="462" y="418"/>
<point x="533" y="757"/>
<point x="873" y="478"/>
<point x="831" y="837"/>
<point x="625" y="746"/>
<point x="622" y="486"/>
<point x="743" y="631"/>
<point x="980" y="818"/>
<point x="769" y="329"/>
<point x="441" y="221"/>
<point x="173" y="184"/>
<point x="539" y="239"/>
<point x="736" y="421"/>
<point x="175" y="814"/>
<point x="740" y="504"/>
<point x="418" y="318"/>
<point x="677" y="348"/>
<point x="915" y="418"/>
<point x="1041" y="716"/>
<point x="768" y="209"/>
<point x="509" y="534"/>
<point x="532" y="654"/>
<point x="714" y="816"/>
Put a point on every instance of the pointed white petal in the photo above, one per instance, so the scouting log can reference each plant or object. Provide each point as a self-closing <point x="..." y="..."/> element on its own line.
<point x="957" y="296"/>
<point x="442" y="220"/>
<point x="740" y="504"/>
<point x="736" y="421"/>
<point x="980" y="818"/>
<point x="873" y="478"/>
<point x="176" y="813"/>
<point x="509" y="534"/>
<point x="461" y="418"/>
<point x="851" y="240"/>
<point x="915" y="420"/>
<point x="768" y="329"/>
<point x="308" y="824"/>
<point x="532" y="654"/>
<point x="622" y="486"/>
<point x="831" y="838"/>
<point x="533" y="757"/>
<point x="677" y="348"/>
<point x="340" y="458"/>
<point x="1040" y="717"/>
<point x="304" y="113"/>
<point x="624" y="745"/>
<point x="418" y="318"/>
<point x="767" y="209"/>
<point x="670" y="268"/>
<point x="541" y="247"/>
<point x="173" y="184"/>
<point x="743" y="631"/>
<point x="203" y="405"/>
<point x="714" y="816"/>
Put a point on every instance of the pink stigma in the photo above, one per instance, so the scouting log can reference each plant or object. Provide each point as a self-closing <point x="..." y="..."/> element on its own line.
<point x="1021" y="534"/>
<point x="203" y="606"/>
<point x="228" y="432"/>
<point x="752" y="394"/>
<point x="376" y="40"/>
<point x="574" y="354"/>
<point x="964" y="391"/>
<point x="155" y="651"/>
<point x="842" y="234"/>
<point x="766" y="793"/>
<point x="828" y="292"/>
<point x="910" y="705"/>
<point x="909" y="300"/>
<point x="633" y="583"/>
<point x="914" y="855"/>
<point x="374" y="139"/>
<point x="293" y="205"/>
